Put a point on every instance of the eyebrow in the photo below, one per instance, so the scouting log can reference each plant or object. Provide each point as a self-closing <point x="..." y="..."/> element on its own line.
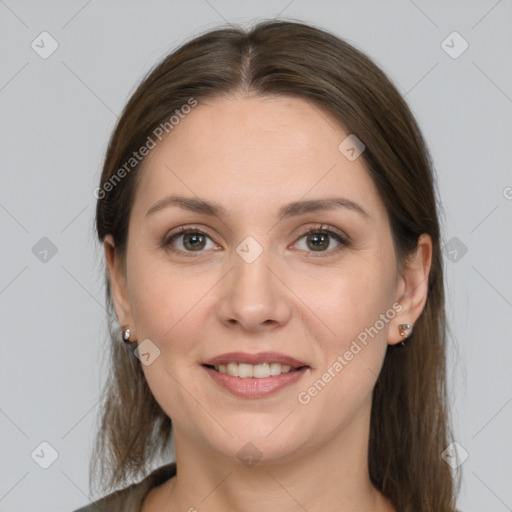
<point x="293" y="209"/>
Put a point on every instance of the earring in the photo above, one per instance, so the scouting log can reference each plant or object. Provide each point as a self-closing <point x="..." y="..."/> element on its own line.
<point x="402" y="329"/>
<point x="126" y="336"/>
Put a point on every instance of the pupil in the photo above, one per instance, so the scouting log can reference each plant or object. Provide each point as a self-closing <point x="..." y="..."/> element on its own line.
<point x="195" y="237"/>
<point x="321" y="245"/>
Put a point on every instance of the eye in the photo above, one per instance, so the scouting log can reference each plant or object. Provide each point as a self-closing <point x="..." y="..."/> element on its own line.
<point x="319" y="240"/>
<point x="194" y="240"/>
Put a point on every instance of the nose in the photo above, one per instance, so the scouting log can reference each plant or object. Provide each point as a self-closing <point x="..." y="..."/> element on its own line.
<point x="254" y="296"/>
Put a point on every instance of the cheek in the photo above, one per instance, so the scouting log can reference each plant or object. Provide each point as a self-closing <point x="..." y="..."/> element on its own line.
<point x="159" y="298"/>
<point x="351" y="359"/>
<point x="168" y="310"/>
<point x="358" y="308"/>
<point x="354" y="298"/>
<point x="171" y="306"/>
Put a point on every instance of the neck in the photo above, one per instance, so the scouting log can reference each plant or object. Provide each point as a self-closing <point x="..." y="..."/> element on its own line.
<point x="330" y="477"/>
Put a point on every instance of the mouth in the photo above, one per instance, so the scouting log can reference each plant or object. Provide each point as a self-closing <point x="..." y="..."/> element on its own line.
<point x="255" y="375"/>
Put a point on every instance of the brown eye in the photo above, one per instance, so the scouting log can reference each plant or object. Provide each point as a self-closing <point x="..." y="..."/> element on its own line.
<point x="319" y="241"/>
<point x="192" y="240"/>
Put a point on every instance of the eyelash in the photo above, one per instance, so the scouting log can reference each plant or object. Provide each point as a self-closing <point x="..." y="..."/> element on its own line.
<point x="320" y="229"/>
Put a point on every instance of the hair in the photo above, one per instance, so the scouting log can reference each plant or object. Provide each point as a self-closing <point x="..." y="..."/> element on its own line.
<point x="410" y="424"/>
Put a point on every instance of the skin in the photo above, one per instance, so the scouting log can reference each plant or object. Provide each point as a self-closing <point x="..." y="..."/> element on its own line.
<point x="253" y="155"/>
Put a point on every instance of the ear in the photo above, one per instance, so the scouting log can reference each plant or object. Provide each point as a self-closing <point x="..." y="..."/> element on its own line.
<point x="117" y="274"/>
<point x="412" y="288"/>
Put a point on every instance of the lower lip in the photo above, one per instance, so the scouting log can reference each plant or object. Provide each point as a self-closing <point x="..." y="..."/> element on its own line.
<point x="255" y="388"/>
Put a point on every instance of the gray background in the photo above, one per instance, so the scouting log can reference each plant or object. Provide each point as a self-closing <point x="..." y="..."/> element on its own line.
<point x="57" y="115"/>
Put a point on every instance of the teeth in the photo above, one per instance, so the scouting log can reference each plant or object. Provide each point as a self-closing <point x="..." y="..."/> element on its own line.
<point x="245" y="370"/>
<point x="258" y="371"/>
<point x="232" y="369"/>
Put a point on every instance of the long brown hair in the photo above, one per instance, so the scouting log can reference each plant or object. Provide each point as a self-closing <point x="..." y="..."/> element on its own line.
<point x="409" y="421"/>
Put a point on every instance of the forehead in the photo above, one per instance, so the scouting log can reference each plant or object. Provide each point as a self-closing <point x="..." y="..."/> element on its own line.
<point x="262" y="151"/>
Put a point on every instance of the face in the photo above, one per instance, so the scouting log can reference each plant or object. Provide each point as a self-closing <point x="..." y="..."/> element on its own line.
<point x="318" y="285"/>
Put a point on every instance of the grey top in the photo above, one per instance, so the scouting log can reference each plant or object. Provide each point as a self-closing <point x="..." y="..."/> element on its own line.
<point x="130" y="498"/>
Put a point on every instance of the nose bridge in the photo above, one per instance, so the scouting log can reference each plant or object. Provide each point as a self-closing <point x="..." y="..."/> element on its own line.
<point x="251" y="276"/>
<point x="254" y="296"/>
<point x="251" y="261"/>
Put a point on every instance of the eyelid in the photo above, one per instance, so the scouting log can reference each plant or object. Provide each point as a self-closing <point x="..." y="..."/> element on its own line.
<point x="325" y="227"/>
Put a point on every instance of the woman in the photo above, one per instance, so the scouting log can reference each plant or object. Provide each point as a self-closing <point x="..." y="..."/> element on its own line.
<point x="268" y="213"/>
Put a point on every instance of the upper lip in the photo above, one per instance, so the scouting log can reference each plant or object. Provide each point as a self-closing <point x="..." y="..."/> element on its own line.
<point x="261" y="357"/>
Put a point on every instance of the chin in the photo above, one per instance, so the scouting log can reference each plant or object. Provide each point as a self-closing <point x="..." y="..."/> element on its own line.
<point x="265" y="442"/>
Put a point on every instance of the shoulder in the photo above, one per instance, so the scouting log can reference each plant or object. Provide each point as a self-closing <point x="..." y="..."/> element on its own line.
<point x="130" y="498"/>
